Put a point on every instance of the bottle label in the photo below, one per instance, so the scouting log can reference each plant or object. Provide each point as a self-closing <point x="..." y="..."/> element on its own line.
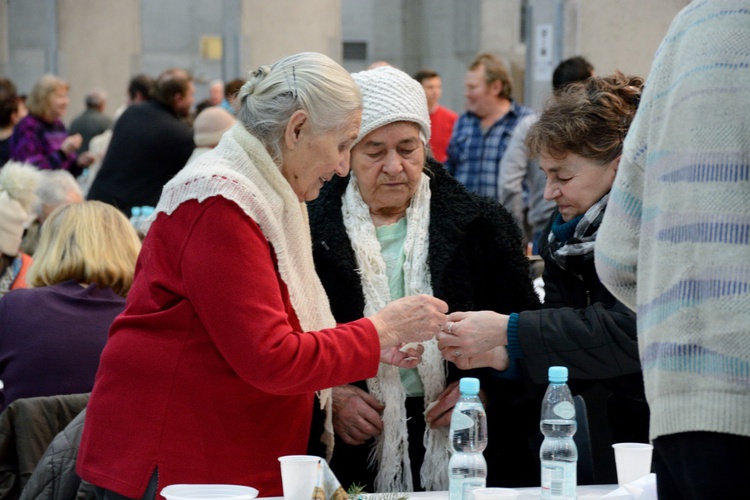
<point x="558" y="479"/>
<point x="461" y="421"/>
<point x="565" y="410"/>
<point x="462" y="489"/>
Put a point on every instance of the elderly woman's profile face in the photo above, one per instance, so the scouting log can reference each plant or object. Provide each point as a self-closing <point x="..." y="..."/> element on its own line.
<point x="388" y="164"/>
<point x="576" y="183"/>
<point x="316" y="157"/>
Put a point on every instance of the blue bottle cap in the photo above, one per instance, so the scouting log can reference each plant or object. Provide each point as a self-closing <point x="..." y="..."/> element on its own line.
<point x="469" y="385"/>
<point x="558" y="374"/>
<point x="135" y="211"/>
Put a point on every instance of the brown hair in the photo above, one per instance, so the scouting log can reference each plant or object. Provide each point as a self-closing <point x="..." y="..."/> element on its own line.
<point x="425" y="74"/>
<point x="171" y="82"/>
<point x="587" y="118"/>
<point x="494" y="70"/>
<point x="8" y="102"/>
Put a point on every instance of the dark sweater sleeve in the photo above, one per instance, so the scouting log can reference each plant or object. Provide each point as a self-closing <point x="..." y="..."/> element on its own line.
<point x="595" y="342"/>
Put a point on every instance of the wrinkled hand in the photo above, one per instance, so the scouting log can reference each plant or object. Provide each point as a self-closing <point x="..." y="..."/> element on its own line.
<point x="403" y="359"/>
<point x="356" y="414"/>
<point x="71" y="144"/>
<point x="474" y="333"/>
<point x="440" y="414"/>
<point x="410" y="319"/>
<point x="496" y="358"/>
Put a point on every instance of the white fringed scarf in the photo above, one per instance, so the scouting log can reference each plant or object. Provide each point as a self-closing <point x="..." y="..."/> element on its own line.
<point x="241" y="170"/>
<point x="391" y="452"/>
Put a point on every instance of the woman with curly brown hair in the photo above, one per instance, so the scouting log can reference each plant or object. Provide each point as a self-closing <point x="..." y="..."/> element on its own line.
<point x="578" y="140"/>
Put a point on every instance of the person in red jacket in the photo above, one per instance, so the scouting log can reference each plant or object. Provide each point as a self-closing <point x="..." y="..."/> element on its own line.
<point x="441" y="118"/>
<point x="209" y="374"/>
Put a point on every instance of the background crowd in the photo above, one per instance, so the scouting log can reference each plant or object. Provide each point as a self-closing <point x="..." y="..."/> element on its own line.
<point x="306" y="219"/>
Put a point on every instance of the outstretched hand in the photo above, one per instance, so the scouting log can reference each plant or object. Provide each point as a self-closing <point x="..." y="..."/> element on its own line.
<point x="496" y="358"/>
<point x="473" y="333"/>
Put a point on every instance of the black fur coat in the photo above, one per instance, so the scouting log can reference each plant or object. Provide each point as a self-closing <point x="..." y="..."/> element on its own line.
<point x="476" y="259"/>
<point x="476" y="263"/>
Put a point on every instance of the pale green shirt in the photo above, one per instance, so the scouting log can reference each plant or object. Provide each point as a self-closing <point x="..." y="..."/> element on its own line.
<point x="391" y="240"/>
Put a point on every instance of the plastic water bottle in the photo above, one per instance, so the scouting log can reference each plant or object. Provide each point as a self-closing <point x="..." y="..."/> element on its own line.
<point x="135" y="216"/>
<point x="467" y="468"/>
<point x="144" y="224"/>
<point x="558" y="453"/>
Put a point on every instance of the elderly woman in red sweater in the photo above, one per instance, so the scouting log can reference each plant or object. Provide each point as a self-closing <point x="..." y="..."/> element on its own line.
<point x="209" y="374"/>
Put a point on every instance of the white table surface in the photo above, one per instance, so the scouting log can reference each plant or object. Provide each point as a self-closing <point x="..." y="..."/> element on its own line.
<point x="589" y="492"/>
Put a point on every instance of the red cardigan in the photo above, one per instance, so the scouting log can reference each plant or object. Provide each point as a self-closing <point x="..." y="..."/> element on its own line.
<point x="206" y="375"/>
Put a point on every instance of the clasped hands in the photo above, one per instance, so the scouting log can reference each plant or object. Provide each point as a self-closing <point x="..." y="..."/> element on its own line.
<point x="357" y="415"/>
<point x="468" y="339"/>
<point x="471" y="339"/>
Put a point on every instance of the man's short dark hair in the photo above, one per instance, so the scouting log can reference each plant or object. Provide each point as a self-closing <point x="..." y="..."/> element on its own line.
<point x="425" y="74"/>
<point x="8" y="102"/>
<point x="143" y="85"/>
<point x="171" y="82"/>
<point x="575" y="69"/>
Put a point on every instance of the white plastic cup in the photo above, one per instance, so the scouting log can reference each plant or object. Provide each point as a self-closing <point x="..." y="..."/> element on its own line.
<point x="208" y="492"/>
<point x="633" y="461"/>
<point x="299" y="473"/>
<point x="494" y="493"/>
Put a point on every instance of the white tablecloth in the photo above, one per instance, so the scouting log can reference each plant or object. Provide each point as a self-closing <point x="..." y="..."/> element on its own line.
<point x="589" y="492"/>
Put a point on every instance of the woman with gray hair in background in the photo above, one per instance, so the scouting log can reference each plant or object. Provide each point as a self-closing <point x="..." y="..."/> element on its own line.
<point x="56" y="187"/>
<point x="209" y="374"/>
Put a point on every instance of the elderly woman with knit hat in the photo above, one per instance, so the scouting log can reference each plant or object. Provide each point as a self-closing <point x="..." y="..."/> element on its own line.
<point x="209" y="374"/>
<point x="399" y="225"/>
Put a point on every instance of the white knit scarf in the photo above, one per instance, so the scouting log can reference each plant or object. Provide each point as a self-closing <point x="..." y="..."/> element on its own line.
<point x="391" y="452"/>
<point x="241" y="170"/>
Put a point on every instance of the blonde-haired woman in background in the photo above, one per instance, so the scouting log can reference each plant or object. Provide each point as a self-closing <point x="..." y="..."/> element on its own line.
<point x="40" y="138"/>
<point x="53" y="334"/>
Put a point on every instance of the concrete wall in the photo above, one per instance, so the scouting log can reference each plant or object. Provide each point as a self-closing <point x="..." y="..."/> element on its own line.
<point x="624" y="34"/>
<point x="99" y="45"/>
<point x="271" y="30"/>
<point x="104" y="42"/>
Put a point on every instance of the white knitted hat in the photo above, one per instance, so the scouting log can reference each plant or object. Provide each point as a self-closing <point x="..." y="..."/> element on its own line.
<point x="18" y="183"/>
<point x="389" y="95"/>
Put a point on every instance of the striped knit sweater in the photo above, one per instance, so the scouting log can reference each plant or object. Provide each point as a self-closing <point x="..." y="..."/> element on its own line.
<point x="675" y="241"/>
